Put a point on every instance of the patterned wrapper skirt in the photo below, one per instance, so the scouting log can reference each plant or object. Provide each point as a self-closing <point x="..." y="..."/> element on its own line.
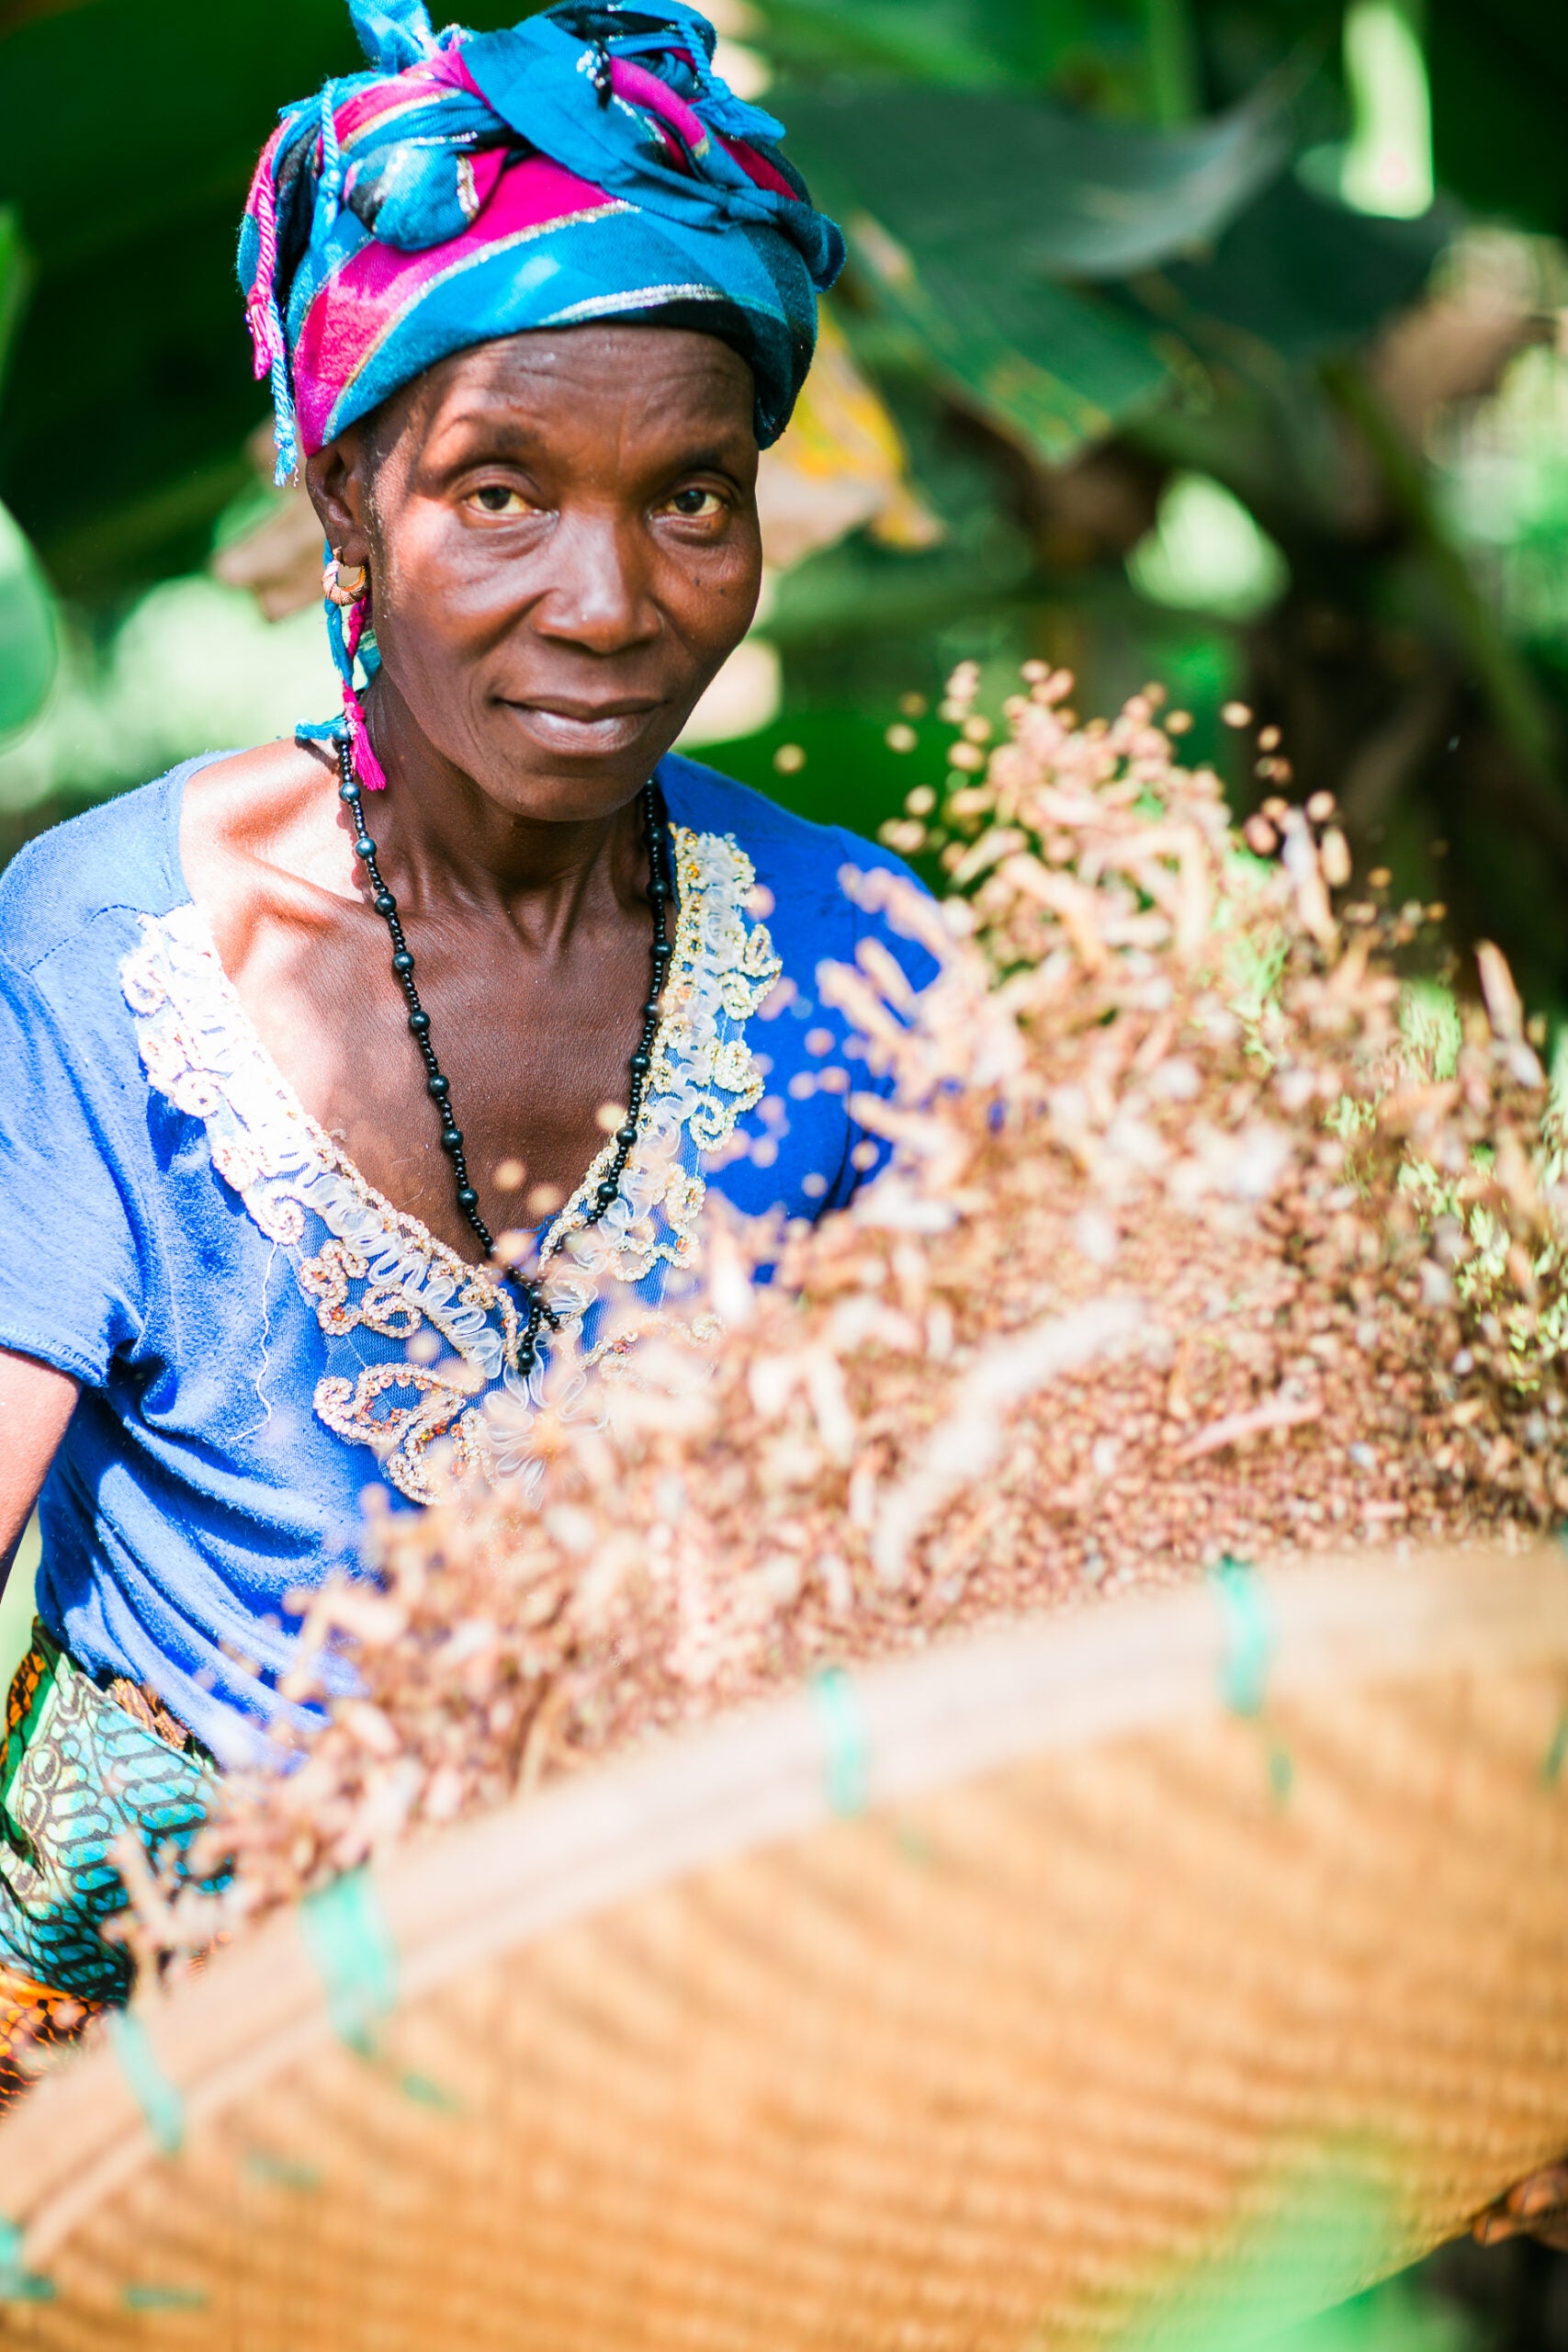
<point x="80" y="1767"/>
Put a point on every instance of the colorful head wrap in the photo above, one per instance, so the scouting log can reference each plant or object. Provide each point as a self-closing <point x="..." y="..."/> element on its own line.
<point x="586" y="165"/>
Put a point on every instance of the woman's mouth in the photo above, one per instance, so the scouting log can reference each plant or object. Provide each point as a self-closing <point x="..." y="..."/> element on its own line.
<point x="584" y="729"/>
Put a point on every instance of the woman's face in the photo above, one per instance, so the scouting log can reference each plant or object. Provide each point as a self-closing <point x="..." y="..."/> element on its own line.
<point x="561" y="535"/>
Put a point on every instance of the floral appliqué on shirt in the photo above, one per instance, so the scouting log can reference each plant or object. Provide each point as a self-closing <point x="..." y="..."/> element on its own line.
<point x="377" y="1278"/>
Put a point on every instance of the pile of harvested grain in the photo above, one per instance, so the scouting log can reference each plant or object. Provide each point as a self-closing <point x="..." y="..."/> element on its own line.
<point x="1205" y="1233"/>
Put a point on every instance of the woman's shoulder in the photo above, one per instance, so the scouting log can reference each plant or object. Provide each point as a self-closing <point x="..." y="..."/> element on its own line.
<point x="801" y="864"/>
<point x="121" y="858"/>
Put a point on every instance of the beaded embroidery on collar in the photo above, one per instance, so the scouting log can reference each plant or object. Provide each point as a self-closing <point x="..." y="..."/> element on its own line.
<point x="372" y="1274"/>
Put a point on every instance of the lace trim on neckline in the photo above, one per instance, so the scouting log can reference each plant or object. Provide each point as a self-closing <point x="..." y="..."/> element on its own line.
<point x="367" y="1267"/>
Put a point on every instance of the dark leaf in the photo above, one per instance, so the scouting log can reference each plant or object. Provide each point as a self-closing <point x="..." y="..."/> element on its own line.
<point x="1026" y="184"/>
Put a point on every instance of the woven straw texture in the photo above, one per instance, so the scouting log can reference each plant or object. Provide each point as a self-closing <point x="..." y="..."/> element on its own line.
<point x="998" y="1999"/>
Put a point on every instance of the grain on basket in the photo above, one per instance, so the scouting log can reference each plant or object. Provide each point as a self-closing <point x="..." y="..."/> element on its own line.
<point x="1204" y="1233"/>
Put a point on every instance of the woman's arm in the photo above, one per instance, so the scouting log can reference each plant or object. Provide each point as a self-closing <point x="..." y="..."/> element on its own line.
<point x="36" y="1402"/>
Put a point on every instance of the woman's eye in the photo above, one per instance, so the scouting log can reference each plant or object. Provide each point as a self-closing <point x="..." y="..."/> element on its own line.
<point x="496" y="498"/>
<point x="698" y="505"/>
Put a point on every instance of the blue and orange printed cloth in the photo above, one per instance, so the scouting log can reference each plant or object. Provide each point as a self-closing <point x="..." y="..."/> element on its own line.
<point x="80" y="1768"/>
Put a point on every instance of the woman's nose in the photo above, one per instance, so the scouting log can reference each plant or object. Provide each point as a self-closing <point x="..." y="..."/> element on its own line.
<point x="599" y="595"/>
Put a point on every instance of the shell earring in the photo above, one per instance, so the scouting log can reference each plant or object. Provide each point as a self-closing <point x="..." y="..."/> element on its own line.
<point x="342" y="583"/>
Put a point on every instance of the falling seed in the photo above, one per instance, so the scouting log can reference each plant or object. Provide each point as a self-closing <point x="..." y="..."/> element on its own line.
<point x="789" y="759"/>
<point x="1237" y="714"/>
<point x="900" y="738"/>
<point x="1268" y="738"/>
<point x="609" y="1116"/>
<point x="1088" y="1103"/>
<point x="544" y="1200"/>
<point x="913" y="706"/>
<point x="509" y="1175"/>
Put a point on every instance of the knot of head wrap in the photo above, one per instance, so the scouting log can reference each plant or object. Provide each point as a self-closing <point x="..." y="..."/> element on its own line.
<point x="587" y="164"/>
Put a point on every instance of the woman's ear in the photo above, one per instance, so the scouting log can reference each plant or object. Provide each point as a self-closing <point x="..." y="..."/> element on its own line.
<point x="335" y="479"/>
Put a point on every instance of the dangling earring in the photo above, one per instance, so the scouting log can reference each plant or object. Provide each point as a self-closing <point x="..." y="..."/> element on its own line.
<point x="343" y="583"/>
<point x="346" y="588"/>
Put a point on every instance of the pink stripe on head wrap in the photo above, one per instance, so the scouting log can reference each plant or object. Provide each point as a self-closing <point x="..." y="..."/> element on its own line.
<point x="757" y="167"/>
<point x="357" y="308"/>
<point x="640" y="89"/>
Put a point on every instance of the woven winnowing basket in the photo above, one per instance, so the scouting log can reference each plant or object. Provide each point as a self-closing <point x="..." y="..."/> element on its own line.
<point x="1006" y="1997"/>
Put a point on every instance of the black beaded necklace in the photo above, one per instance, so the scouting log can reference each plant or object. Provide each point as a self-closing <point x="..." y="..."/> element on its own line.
<point x="527" y="1292"/>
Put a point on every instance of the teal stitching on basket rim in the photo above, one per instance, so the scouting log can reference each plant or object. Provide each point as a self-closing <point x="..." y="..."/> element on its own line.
<point x="162" y="2106"/>
<point x="347" y="1937"/>
<point x="837" y="1699"/>
<point x="17" y="2284"/>
<point x="1251" y="1639"/>
<point x="1249" y="1635"/>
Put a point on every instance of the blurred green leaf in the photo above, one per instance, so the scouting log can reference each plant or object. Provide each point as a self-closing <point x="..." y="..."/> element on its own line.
<point x="1297" y="275"/>
<point x="130" y="134"/>
<point x="1131" y="58"/>
<point x="28" y="635"/>
<point x="1499" y="95"/>
<point x="933" y="38"/>
<point x="966" y="209"/>
<point x="28" y="627"/>
<point x="1281" y="2285"/>
<point x="1028" y="186"/>
<point x="16" y="280"/>
<point x="1051" y="370"/>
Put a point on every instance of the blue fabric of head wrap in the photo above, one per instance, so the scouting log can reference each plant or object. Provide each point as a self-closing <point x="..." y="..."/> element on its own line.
<point x="587" y="163"/>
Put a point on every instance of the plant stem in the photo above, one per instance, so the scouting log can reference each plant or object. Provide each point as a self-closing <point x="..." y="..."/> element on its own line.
<point x="1517" y="704"/>
<point x="1171" y="61"/>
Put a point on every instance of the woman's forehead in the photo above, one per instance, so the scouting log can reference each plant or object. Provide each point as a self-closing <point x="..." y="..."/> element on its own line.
<point x="645" y="384"/>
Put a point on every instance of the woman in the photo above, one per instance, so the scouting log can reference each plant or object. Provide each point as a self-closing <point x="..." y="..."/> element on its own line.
<point x="283" y="1223"/>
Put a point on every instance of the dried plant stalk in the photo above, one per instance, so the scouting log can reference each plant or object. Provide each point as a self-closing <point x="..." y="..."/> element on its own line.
<point x="1204" y="1234"/>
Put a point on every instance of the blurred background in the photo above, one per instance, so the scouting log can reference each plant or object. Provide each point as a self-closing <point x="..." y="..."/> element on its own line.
<point x="1220" y="342"/>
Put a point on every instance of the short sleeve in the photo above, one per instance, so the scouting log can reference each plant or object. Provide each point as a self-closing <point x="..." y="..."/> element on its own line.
<point x="70" y="1269"/>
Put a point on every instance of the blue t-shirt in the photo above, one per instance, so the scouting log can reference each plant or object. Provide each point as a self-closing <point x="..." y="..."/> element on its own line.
<point x="259" y="1335"/>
